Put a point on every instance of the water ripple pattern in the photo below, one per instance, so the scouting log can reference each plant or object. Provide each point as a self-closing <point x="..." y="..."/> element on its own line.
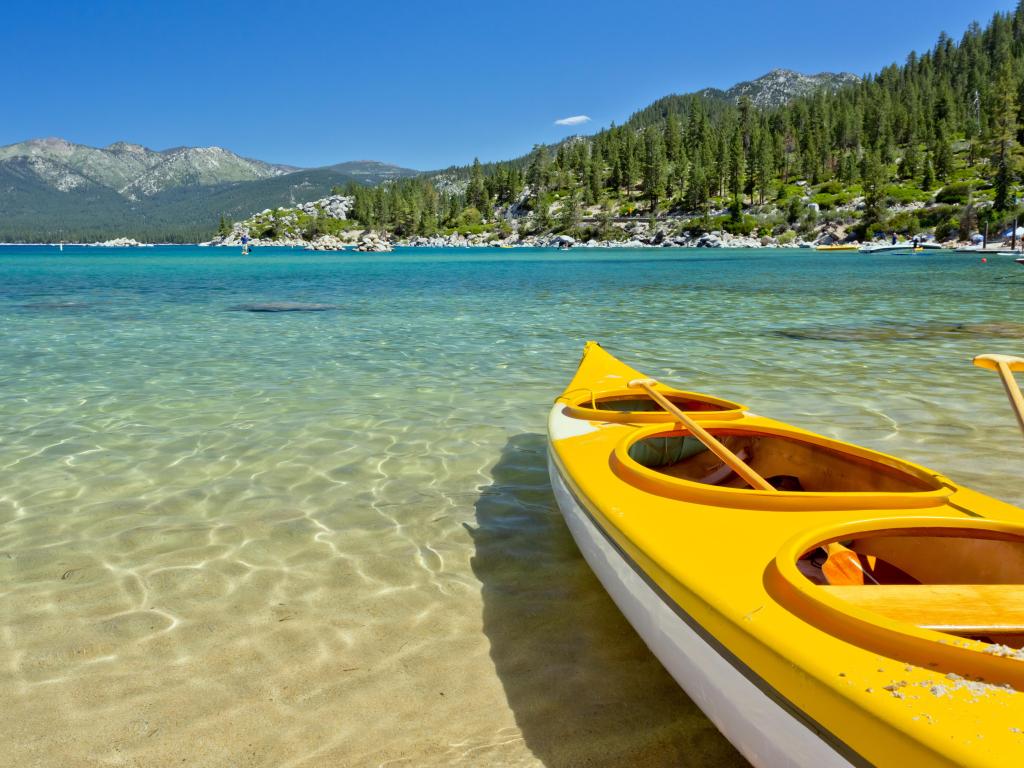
<point x="320" y="533"/>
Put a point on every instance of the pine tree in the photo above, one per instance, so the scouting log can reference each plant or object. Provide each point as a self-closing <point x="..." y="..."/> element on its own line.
<point x="673" y="139"/>
<point x="696" y="187"/>
<point x="1004" y="132"/>
<point x="874" y="193"/>
<point x="476" y="192"/>
<point x="763" y="170"/>
<point x="595" y="185"/>
<point x="537" y="172"/>
<point x="737" y="168"/>
<point x="928" y="175"/>
<point x="910" y="166"/>
<point x="654" y="169"/>
<point x="569" y="213"/>
<point x="942" y="156"/>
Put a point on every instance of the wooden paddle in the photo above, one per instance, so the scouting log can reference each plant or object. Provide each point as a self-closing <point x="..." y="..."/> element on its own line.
<point x="739" y="466"/>
<point x="1006" y="365"/>
<point x="843" y="566"/>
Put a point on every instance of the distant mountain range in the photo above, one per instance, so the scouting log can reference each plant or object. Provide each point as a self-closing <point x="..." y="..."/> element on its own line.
<point x="781" y="86"/>
<point x="52" y="189"/>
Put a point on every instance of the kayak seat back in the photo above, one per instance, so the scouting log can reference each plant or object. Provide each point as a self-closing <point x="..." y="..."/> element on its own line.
<point x="644" y="404"/>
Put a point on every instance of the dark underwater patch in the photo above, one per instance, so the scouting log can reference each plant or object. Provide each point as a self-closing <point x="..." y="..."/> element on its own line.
<point x="282" y="306"/>
<point x="900" y="332"/>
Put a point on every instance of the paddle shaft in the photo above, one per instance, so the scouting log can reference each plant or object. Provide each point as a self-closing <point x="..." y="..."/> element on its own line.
<point x="737" y="464"/>
<point x="1012" y="391"/>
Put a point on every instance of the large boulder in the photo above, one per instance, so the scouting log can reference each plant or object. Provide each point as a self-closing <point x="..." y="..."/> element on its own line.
<point x="372" y="242"/>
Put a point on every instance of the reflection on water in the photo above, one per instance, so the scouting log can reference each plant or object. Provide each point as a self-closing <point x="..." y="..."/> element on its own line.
<point x="325" y="538"/>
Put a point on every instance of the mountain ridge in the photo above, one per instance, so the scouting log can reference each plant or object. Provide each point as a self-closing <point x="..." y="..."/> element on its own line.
<point x="779" y="86"/>
<point x="52" y="188"/>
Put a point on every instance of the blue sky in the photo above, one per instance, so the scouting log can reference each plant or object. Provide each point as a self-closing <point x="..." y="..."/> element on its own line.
<point x="419" y="84"/>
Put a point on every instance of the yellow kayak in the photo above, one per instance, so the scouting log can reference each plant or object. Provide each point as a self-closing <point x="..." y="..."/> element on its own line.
<point x="907" y="655"/>
<point x="837" y="247"/>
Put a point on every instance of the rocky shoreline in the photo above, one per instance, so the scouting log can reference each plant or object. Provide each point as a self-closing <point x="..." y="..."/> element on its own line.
<point x="323" y="225"/>
<point x="642" y="237"/>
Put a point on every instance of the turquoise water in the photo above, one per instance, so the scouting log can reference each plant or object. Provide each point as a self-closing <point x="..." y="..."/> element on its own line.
<point x="326" y="537"/>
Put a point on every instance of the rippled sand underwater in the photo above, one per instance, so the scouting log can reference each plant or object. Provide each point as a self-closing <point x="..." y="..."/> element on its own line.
<point x="326" y="538"/>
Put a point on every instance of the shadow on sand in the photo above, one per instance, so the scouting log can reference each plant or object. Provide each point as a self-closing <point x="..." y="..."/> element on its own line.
<point x="584" y="688"/>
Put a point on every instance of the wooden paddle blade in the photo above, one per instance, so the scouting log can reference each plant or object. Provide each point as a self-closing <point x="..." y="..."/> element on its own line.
<point x="845" y="567"/>
<point x="992" y="362"/>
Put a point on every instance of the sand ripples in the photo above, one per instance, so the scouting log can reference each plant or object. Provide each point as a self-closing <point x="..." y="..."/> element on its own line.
<point x="326" y="538"/>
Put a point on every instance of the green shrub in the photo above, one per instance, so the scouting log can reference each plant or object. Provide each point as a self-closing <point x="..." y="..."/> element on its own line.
<point x="612" y="233"/>
<point x="950" y="228"/>
<point x="906" y="222"/>
<point x="956" y="193"/>
<point x="828" y="201"/>
<point x="470" y="217"/>
<point x="896" y="194"/>
<point x="936" y="214"/>
<point x="794" y="209"/>
<point x="787" y="237"/>
<point x="742" y="226"/>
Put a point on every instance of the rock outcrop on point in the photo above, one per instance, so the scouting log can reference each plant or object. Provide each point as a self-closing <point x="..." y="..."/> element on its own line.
<point x="121" y="242"/>
<point x="374" y="242"/>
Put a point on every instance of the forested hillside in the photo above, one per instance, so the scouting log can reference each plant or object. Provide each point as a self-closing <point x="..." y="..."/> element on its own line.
<point x="929" y="145"/>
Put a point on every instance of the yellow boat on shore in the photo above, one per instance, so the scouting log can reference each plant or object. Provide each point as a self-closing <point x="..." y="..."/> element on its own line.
<point x="854" y="609"/>
<point x="839" y="247"/>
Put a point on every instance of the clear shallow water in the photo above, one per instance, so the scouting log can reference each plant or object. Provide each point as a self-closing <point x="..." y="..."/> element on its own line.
<point x="326" y="538"/>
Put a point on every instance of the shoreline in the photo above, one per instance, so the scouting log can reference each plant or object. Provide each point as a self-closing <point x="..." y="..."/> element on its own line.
<point x="590" y="245"/>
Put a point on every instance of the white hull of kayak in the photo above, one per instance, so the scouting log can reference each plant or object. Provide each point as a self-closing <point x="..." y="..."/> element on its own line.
<point x="762" y="730"/>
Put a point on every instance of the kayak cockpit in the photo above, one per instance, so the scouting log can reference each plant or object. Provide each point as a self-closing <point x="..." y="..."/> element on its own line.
<point x="963" y="578"/>
<point x="799" y="466"/>
<point x="634" y="406"/>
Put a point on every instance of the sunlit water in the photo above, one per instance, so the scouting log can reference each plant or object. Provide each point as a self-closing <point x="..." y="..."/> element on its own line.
<point x="233" y="538"/>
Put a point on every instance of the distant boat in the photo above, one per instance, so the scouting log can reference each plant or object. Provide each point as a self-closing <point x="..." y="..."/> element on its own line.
<point x="1020" y="261"/>
<point x="903" y="245"/>
<point x="992" y="250"/>
<point x="837" y="247"/>
<point x="886" y="247"/>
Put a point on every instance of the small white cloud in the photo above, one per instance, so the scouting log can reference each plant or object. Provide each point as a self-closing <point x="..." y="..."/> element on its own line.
<point x="574" y="120"/>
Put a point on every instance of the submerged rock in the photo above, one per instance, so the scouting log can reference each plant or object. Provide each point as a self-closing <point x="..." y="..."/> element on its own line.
<point x="902" y="332"/>
<point x="54" y="305"/>
<point x="283" y="306"/>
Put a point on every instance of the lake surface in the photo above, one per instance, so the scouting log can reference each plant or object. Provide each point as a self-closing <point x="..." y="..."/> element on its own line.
<point x="322" y="538"/>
